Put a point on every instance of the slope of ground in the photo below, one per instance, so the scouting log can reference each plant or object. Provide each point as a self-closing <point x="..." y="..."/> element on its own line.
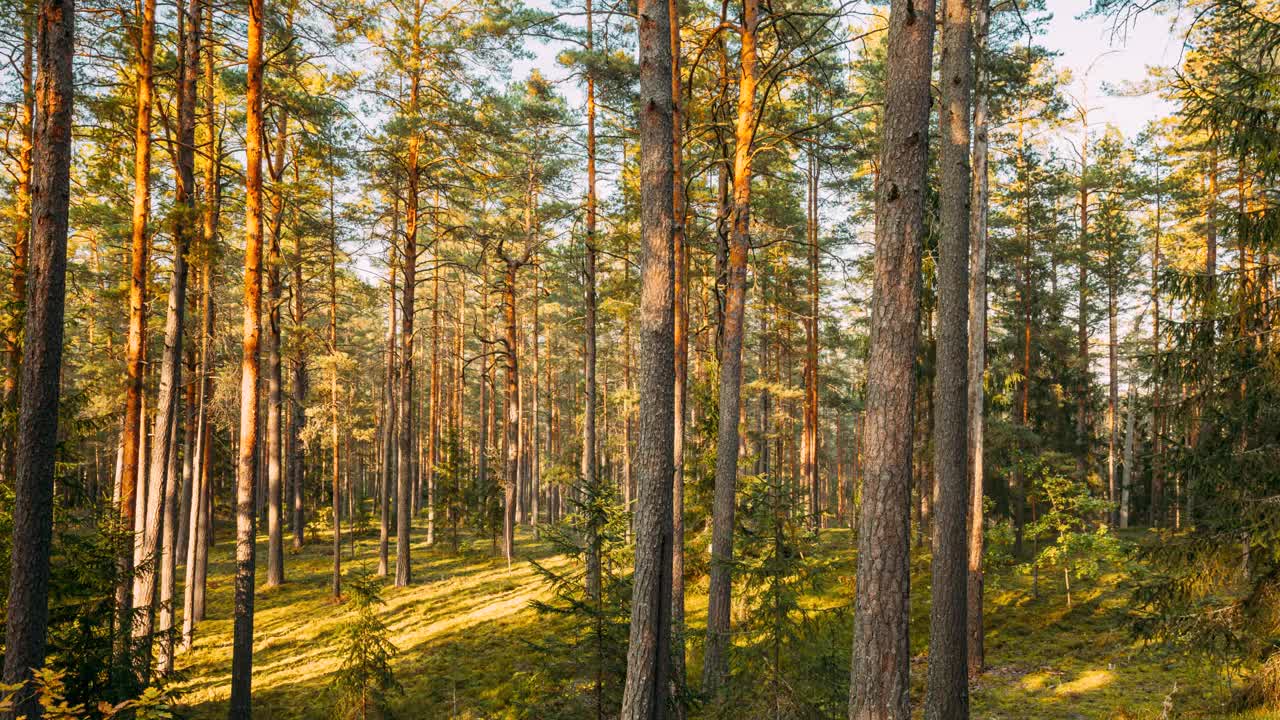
<point x="463" y="628"/>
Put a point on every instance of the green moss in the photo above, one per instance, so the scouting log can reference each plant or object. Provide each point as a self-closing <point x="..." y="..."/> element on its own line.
<point x="462" y="628"/>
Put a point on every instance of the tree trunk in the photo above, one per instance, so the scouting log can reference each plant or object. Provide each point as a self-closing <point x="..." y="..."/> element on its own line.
<point x="300" y="385"/>
<point x="246" y="521"/>
<point x="140" y="246"/>
<point x="716" y="663"/>
<point x="1113" y="398"/>
<point x="1082" y="319"/>
<point x="1157" y="514"/>
<point x="275" y="376"/>
<point x="589" y="470"/>
<point x="389" y="422"/>
<point x="978" y="336"/>
<point x="680" y="287"/>
<point x="333" y="392"/>
<point x="649" y="648"/>
<point x="809" y="433"/>
<point x="948" y="687"/>
<point x="879" y="679"/>
<point x="197" y="539"/>
<point x="404" y="501"/>
<point x="1129" y="437"/>
<point x="27" y="611"/>
<point x="511" y="407"/>
<point x="21" y="236"/>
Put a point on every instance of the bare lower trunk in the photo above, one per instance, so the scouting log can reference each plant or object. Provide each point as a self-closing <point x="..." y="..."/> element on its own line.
<point x="241" y="707"/>
<point x="948" y="687"/>
<point x="680" y="287"/>
<point x="140" y="247"/>
<point x="977" y="339"/>
<point x="27" y="609"/>
<point x="880" y="675"/>
<point x="716" y="663"/>
<point x="645" y="695"/>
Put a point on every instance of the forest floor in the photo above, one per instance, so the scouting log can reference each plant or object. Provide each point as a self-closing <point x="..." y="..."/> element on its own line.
<point x="463" y="630"/>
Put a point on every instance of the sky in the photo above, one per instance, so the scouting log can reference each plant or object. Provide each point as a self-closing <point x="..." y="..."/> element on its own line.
<point x="1100" y="54"/>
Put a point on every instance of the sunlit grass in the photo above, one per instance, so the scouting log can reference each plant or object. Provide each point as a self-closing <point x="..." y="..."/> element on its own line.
<point x="464" y="626"/>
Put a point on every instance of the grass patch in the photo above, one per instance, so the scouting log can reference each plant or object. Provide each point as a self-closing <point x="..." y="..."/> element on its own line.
<point x="462" y="628"/>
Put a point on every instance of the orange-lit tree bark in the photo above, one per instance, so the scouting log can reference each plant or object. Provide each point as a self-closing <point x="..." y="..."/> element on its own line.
<point x="947" y="696"/>
<point x="27" y="609"/>
<point x="139" y="250"/>
<point x="190" y="22"/>
<point x="716" y="660"/>
<point x="649" y="646"/>
<point x="880" y="674"/>
<point x="161" y="485"/>
<point x="247" y="467"/>
<point x="809" y="431"/>
<point x="21" y="233"/>
<point x="680" y="287"/>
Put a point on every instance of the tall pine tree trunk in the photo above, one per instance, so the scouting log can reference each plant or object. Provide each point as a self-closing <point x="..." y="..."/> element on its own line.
<point x="649" y="647"/>
<point x="716" y="662"/>
<point x="948" y="686"/>
<point x="27" y="610"/>
<point x="275" y="376"/>
<point x="241" y="707"/>
<point x="680" y="286"/>
<point x="880" y="675"/>
<point x="134" y="428"/>
<point x="978" y="335"/>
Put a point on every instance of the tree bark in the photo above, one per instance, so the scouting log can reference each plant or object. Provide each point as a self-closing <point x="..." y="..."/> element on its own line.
<point x="275" y="376"/>
<point x="809" y="432"/>
<point x="21" y="236"/>
<point x="389" y="422"/>
<point x="588" y="470"/>
<point x="241" y="707"/>
<point x="948" y="687"/>
<point x="978" y="336"/>
<point x="680" y="287"/>
<point x="716" y="660"/>
<point x="404" y="474"/>
<point x="140" y="247"/>
<point x="197" y="540"/>
<point x="27" y="612"/>
<point x="649" y="647"/>
<point x="333" y="393"/>
<point x="879" y="679"/>
<point x="511" y="408"/>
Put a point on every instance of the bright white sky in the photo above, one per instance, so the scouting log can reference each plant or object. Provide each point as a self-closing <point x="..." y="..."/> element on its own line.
<point x="1118" y="56"/>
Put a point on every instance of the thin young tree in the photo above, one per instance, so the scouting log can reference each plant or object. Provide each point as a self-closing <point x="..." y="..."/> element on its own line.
<point x="649" y="647"/>
<point x="880" y="674"/>
<point x="27" y="610"/>
<point x="589" y="470"/>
